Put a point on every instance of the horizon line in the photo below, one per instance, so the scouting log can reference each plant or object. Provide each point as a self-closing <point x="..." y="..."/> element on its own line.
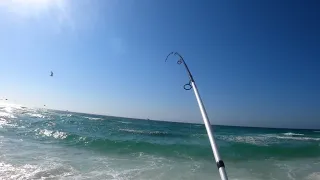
<point x="165" y="121"/>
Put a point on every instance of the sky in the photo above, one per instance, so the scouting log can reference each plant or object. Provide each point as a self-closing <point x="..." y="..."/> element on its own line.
<point x="256" y="63"/>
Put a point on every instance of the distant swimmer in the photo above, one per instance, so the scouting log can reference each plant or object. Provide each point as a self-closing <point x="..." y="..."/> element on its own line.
<point x="51" y="73"/>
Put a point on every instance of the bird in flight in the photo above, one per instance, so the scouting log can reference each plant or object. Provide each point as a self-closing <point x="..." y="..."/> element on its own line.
<point x="51" y="73"/>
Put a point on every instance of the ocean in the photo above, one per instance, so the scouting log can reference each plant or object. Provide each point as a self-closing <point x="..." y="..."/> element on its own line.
<point x="49" y="144"/>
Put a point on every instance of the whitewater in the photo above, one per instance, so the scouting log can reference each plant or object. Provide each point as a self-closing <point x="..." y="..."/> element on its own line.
<point x="50" y="144"/>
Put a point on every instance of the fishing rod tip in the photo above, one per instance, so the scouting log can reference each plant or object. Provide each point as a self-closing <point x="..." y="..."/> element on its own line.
<point x="169" y="55"/>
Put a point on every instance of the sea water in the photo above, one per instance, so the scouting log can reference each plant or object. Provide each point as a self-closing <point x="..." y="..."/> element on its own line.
<point x="48" y="144"/>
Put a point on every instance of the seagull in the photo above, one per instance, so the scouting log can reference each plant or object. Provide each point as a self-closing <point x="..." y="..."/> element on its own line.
<point x="51" y="73"/>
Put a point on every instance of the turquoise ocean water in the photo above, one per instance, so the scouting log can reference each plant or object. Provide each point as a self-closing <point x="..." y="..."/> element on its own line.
<point x="47" y="144"/>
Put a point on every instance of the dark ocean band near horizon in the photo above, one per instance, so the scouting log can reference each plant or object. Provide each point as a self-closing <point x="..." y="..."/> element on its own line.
<point x="51" y="144"/>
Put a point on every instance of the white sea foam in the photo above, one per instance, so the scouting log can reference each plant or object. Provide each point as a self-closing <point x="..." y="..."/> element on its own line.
<point x="6" y="115"/>
<point x="298" y="138"/>
<point x="314" y="176"/>
<point x="92" y="118"/>
<point x="142" y="132"/>
<point x="8" y="109"/>
<point x="255" y="140"/>
<point x="56" y="162"/>
<point x="125" y="122"/>
<point x="204" y="135"/>
<point x="27" y="171"/>
<point x="32" y="159"/>
<point x="3" y="121"/>
<point x="55" y="134"/>
<point x="36" y="115"/>
<point x="292" y="134"/>
<point x="131" y="130"/>
<point x="265" y="139"/>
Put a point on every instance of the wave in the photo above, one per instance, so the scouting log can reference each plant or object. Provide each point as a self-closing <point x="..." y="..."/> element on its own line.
<point x="4" y="122"/>
<point x="49" y="133"/>
<point x="163" y="133"/>
<point x="132" y="130"/>
<point x="265" y="139"/>
<point x="314" y="176"/>
<point x="144" y="132"/>
<point x="7" y="115"/>
<point x="168" y="140"/>
<point x="292" y="134"/>
<point x="243" y="151"/>
<point x="254" y="140"/>
<point x="237" y="149"/>
<point x="299" y="138"/>
<point x="66" y="115"/>
<point x="124" y="122"/>
<point x="27" y="171"/>
<point x="36" y="115"/>
<point x="92" y="118"/>
<point x="200" y="135"/>
<point x="233" y="151"/>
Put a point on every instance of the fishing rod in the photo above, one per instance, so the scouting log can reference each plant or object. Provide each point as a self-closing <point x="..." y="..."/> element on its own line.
<point x="188" y="86"/>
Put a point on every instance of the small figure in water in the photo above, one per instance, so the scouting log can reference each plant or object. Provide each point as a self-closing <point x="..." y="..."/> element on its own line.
<point x="51" y="73"/>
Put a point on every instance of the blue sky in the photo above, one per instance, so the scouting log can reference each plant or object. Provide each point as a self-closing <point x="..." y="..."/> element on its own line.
<point x="256" y="63"/>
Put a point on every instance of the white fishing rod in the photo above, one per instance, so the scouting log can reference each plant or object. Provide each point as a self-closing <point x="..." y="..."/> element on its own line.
<point x="188" y="86"/>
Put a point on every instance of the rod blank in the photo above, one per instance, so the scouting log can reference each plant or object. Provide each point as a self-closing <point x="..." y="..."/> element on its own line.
<point x="192" y="84"/>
